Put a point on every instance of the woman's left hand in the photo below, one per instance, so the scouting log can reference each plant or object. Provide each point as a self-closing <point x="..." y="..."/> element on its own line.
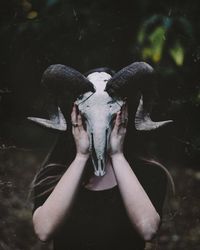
<point x="119" y="131"/>
<point x="80" y="134"/>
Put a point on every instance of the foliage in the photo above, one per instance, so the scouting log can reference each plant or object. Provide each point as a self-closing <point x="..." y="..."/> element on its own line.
<point x="159" y="36"/>
<point x="35" y="34"/>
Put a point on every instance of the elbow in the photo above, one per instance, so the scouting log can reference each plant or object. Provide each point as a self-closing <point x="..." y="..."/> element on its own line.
<point x="149" y="227"/>
<point x="42" y="233"/>
<point x="41" y="226"/>
<point x="43" y="236"/>
<point x="150" y="234"/>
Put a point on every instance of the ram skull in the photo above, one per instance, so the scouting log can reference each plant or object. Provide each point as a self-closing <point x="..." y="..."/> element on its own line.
<point x="99" y="97"/>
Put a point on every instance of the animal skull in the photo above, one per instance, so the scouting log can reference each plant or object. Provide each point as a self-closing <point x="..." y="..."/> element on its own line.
<point x="99" y="98"/>
<point x="99" y="109"/>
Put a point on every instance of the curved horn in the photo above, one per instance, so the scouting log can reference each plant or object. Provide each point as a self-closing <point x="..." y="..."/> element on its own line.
<point x="143" y="120"/>
<point x="139" y="75"/>
<point x="57" y="120"/>
<point x="131" y="76"/>
<point x="59" y="79"/>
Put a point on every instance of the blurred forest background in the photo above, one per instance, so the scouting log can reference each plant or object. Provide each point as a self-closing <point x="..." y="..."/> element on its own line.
<point x="85" y="35"/>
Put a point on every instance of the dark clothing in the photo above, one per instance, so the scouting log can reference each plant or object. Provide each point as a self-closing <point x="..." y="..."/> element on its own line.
<point x="98" y="219"/>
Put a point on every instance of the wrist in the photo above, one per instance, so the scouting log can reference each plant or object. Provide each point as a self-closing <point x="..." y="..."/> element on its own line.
<point x="81" y="156"/>
<point x="117" y="156"/>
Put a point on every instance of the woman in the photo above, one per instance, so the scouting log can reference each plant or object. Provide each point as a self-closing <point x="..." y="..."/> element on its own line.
<point x="121" y="210"/>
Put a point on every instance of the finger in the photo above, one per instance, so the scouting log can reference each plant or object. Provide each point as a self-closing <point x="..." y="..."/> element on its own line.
<point x="117" y="122"/>
<point x="74" y="114"/>
<point x="124" y="116"/>
<point x="124" y="111"/>
<point x="80" y="121"/>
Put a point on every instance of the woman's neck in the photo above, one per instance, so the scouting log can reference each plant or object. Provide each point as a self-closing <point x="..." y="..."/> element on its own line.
<point x="107" y="181"/>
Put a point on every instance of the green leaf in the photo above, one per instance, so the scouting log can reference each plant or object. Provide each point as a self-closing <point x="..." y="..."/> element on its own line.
<point x="157" y="39"/>
<point x="156" y="43"/>
<point x="177" y="53"/>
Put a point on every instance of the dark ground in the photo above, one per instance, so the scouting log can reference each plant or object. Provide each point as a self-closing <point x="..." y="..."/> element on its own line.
<point x="180" y="229"/>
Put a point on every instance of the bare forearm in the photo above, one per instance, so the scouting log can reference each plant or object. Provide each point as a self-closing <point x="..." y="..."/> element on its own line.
<point x="139" y="208"/>
<point x="49" y="216"/>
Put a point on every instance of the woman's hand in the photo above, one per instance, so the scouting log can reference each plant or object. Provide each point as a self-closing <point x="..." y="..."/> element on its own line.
<point x="49" y="217"/>
<point x="119" y="131"/>
<point x="80" y="134"/>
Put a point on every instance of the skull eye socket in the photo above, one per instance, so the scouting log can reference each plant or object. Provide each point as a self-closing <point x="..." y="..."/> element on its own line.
<point x="80" y="97"/>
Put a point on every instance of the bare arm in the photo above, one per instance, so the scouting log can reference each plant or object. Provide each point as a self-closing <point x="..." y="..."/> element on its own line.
<point x="48" y="217"/>
<point x="140" y="210"/>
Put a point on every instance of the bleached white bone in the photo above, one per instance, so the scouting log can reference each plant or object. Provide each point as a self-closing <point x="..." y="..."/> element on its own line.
<point x="56" y="121"/>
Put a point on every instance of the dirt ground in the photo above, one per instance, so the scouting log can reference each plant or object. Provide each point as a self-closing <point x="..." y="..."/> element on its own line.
<point x="180" y="229"/>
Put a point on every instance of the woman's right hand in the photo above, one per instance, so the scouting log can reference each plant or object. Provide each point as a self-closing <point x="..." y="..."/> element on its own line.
<point x="80" y="134"/>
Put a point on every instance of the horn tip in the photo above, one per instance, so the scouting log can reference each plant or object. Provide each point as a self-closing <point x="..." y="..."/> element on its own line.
<point x="61" y="126"/>
<point x="150" y="125"/>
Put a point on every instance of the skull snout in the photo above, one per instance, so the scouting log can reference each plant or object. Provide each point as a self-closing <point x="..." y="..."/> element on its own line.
<point x="99" y="151"/>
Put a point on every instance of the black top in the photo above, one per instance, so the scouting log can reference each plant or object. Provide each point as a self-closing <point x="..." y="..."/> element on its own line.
<point x="98" y="219"/>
